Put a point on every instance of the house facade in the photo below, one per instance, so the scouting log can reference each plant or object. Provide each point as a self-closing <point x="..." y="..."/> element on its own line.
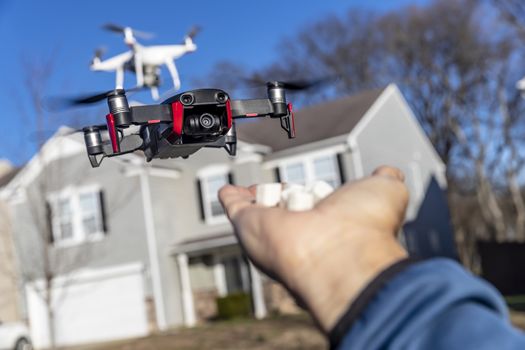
<point x="9" y="294"/>
<point x="135" y="247"/>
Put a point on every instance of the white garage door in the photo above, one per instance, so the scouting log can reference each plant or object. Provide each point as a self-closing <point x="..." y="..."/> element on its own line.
<point x="92" y="306"/>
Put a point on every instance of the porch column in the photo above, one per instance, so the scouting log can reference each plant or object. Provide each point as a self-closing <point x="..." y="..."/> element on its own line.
<point x="259" y="305"/>
<point x="219" y="276"/>
<point x="188" y="309"/>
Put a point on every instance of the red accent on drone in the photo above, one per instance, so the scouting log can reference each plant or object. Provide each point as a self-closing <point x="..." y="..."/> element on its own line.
<point x="178" y="114"/>
<point x="229" y="113"/>
<point x="252" y="114"/>
<point x="153" y="121"/>
<point x="292" y="117"/>
<point x="112" y="133"/>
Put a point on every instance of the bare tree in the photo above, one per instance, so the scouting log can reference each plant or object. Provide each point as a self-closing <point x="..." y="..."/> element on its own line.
<point x="453" y="60"/>
<point x="40" y="261"/>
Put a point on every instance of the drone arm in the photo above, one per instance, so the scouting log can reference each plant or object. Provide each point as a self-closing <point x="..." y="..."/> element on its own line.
<point x="263" y="108"/>
<point x="151" y="114"/>
<point x="251" y="108"/>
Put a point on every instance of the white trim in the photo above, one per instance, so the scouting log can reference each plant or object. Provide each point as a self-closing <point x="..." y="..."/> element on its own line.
<point x="213" y="169"/>
<point x="219" y="276"/>
<point x="301" y="156"/>
<point x="253" y="147"/>
<point x="417" y="179"/>
<point x="259" y="305"/>
<point x="152" y="171"/>
<point x="188" y="307"/>
<point x="356" y="159"/>
<point x="205" y="244"/>
<point x="153" y="253"/>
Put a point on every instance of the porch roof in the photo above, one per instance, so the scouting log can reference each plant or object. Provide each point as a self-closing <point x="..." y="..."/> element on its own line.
<point x="204" y="244"/>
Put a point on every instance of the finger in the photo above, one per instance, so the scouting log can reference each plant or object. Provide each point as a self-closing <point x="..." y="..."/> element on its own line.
<point x="389" y="171"/>
<point x="235" y="198"/>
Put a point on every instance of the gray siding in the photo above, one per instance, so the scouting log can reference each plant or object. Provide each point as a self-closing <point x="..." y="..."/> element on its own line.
<point x="393" y="137"/>
<point x="125" y="239"/>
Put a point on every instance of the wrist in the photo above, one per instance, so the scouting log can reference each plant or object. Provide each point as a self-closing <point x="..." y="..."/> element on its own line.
<point x="337" y="273"/>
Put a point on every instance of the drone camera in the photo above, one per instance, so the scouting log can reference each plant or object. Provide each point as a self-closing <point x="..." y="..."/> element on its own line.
<point x="221" y="97"/>
<point x="203" y="123"/>
<point x="187" y="99"/>
<point x="93" y="140"/>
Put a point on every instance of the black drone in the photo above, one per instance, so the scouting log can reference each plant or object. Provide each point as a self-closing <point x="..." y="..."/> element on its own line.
<point x="182" y="124"/>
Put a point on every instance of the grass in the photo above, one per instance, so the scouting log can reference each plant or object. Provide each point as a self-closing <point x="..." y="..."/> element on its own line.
<point x="516" y="302"/>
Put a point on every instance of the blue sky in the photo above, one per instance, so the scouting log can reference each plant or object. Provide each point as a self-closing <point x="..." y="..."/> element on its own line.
<point x="247" y="32"/>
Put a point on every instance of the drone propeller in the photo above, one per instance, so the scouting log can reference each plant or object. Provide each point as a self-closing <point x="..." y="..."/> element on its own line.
<point x="121" y="30"/>
<point x="61" y="103"/>
<point x="100" y="51"/>
<point x="193" y="32"/>
<point x="292" y="85"/>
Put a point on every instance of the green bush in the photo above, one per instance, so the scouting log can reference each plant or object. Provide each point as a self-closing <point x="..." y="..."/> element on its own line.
<point x="232" y="306"/>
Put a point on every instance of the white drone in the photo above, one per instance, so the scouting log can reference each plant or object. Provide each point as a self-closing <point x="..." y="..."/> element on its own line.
<point x="144" y="61"/>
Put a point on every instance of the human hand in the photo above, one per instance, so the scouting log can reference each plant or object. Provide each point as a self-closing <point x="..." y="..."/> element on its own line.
<point x="326" y="255"/>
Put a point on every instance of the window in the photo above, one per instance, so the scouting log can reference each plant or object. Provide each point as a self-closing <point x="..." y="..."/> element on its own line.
<point x="77" y="216"/>
<point x="309" y="169"/>
<point x="326" y="169"/>
<point x="209" y="186"/>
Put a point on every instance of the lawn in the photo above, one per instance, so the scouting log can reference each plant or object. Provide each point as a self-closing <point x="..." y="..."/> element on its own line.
<point x="295" y="332"/>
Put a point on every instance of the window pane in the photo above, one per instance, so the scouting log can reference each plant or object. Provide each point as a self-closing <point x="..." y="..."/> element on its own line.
<point x="295" y="173"/>
<point x="90" y="213"/>
<point x="66" y="230"/>
<point x="325" y="169"/>
<point x="216" y="208"/>
<point x="64" y="217"/>
<point x="214" y="184"/>
<point x="64" y="208"/>
<point x="88" y="203"/>
<point x="90" y="225"/>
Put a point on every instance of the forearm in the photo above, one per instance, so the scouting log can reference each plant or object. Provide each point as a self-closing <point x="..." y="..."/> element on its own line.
<point x="430" y="305"/>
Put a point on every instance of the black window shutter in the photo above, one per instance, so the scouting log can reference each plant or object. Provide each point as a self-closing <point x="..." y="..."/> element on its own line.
<point x="341" y="167"/>
<point x="200" y="199"/>
<point x="277" y="173"/>
<point x="49" y="224"/>
<point x="103" y="211"/>
<point x="231" y="179"/>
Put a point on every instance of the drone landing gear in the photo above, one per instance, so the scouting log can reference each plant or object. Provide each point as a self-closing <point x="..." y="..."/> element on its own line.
<point x="288" y="122"/>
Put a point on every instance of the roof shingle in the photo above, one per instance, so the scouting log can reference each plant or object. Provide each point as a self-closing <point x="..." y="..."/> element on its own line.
<point x="313" y="123"/>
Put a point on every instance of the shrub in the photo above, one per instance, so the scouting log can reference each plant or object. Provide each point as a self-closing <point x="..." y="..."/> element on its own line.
<point x="232" y="306"/>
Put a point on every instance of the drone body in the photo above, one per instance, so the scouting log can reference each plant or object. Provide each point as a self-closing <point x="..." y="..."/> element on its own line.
<point x="181" y="125"/>
<point x="144" y="61"/>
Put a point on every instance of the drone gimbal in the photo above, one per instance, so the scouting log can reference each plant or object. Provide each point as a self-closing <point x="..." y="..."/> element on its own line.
<point x="182" y="124"/>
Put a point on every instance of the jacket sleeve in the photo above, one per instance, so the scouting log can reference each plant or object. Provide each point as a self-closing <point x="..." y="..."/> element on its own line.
<point x="434" y="304"/>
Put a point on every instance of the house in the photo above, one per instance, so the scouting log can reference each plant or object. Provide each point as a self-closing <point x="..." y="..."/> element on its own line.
<point x="9" y="297"/>
<point x="135" y="247"/>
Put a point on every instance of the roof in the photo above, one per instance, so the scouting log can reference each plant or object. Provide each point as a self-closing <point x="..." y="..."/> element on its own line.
<point x="314" y="123"/>
<point x="8" y="176"/>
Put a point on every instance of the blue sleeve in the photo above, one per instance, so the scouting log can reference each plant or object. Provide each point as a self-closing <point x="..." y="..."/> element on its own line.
<point x="434" y="304"/>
